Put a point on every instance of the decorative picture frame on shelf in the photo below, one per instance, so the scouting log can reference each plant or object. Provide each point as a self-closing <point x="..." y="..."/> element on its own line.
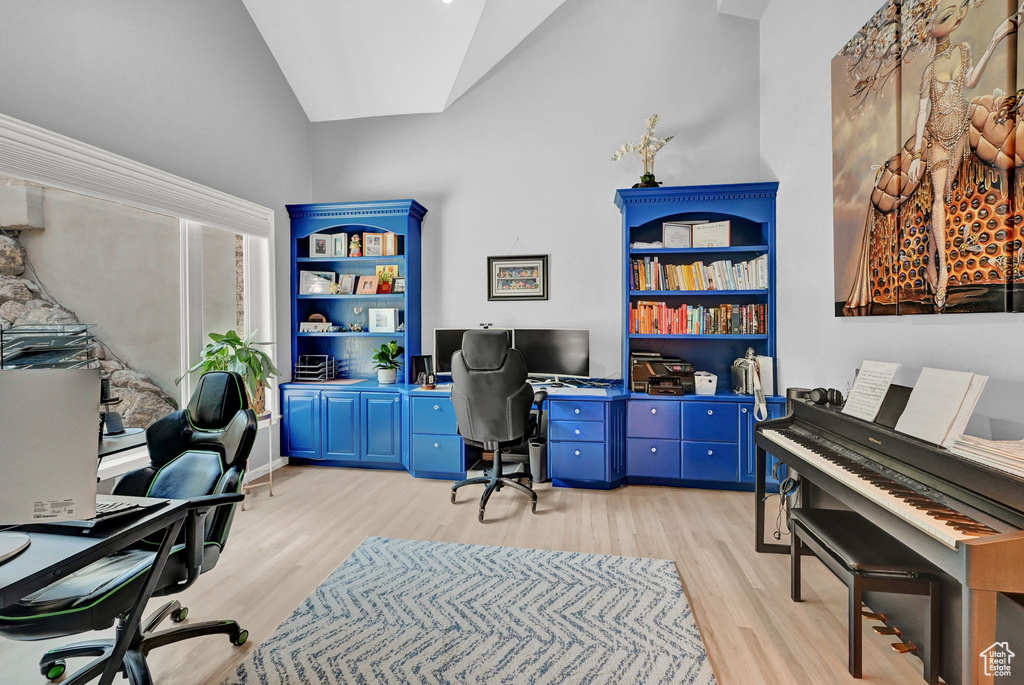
<point x="339" y="245"/>
<point x="316" y="282"/>
<point x="391" y="269"/>
<point x="321" y="246"/>
<point x="346" y="284"/>
<point x="677" y="234"/>
<point x="367" y="285"/>
<point x="383" y="320"/>
<point x="315" y="326"/>
<point x="399" y="286"/>
<point x="712" y="234"/>
<point x="373" y="244"/>
<point x="390" y="245"/>
<point x="517" y="278"/>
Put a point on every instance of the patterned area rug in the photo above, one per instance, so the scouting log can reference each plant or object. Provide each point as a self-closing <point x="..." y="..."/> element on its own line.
<point x="407" y="611"/>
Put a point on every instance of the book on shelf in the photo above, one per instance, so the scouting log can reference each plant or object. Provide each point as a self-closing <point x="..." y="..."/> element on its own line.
<point x="658" y="318"/>
<point x="651" y="274"/>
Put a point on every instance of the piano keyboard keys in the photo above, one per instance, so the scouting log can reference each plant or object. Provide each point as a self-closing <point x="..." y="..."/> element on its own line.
<point x="937" y="520"/>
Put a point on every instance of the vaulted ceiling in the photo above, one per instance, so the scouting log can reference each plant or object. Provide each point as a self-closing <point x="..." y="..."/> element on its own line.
<point x="347" y="59"/>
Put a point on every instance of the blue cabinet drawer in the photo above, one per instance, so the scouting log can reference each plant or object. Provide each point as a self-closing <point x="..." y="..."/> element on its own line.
<point x="588" y="431"/>
<point x="653" y="458"/>
<point x="438" y="453"/>
<point x="577" y="460"/>
<point x="576" y="411"/>
<point x="717" y="461"/>
<point x="717" y="421"/>
<point x="434" y="415"/>
<point x="650" y="419"/>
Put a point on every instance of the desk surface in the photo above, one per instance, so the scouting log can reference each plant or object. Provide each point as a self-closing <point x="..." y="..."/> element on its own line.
<point x="113" y="445"/>
<point x="52" y="556"/>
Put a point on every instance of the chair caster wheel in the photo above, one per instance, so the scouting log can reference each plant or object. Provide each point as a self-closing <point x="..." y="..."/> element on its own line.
<point x="239" y="640"/>
<point x="179" y="615"/>
<point x="533" y="506"/>
<point x="480" y="516"/>
<point x="53" y="670"/>
<point x="453" y="497"/>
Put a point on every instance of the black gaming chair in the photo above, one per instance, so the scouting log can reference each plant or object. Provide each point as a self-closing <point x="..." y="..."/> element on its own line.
<point x="493" y="406"/>
<point x="197" y="454"/>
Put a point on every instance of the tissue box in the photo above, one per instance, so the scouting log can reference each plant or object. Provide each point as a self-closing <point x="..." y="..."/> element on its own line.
<point x="705" y="383"/>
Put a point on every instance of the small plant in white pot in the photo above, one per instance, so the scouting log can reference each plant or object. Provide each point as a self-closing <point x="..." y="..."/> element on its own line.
<point x="385" y="360"/>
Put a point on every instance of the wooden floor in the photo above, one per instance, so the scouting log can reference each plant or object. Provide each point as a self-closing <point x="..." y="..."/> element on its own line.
<point x="282" y="547"/>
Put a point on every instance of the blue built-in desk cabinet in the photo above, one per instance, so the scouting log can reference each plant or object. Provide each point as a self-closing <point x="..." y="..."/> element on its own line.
<point x="596" y="438"/>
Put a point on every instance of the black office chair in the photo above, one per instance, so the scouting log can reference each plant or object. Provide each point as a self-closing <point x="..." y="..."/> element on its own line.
<point x="493" y="406"/>
<point x="197" y="454"/>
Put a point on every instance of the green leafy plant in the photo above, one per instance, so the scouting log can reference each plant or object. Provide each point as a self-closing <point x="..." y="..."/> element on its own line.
<point x="386" y="356"/>
<point x="229" y="352"/>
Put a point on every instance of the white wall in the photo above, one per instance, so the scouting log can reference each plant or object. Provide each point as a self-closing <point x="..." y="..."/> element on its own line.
<point x="186" y="86"/>
<point x="798" y="41"/>
<point x="525" y="155"/>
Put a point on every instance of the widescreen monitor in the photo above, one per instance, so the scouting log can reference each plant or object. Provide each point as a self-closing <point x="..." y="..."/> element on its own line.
<point x="554" y="351"/>
<point x="448" y="341"/>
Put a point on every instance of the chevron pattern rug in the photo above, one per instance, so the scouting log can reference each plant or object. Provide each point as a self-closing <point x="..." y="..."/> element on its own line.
<point x="413" y="612"/>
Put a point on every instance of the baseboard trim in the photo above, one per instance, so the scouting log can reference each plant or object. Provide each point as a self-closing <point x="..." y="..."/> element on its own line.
<point x="263" y="470"/>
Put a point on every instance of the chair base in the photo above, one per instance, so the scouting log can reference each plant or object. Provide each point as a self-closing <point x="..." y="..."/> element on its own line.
<point x="496" y="481"/>
<point x="134" y="666"/>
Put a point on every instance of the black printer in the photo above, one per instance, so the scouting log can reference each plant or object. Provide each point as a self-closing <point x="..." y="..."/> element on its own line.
<point x="651" y="373"/>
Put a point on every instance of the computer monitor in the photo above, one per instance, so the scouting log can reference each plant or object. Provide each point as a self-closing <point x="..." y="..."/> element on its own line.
<point x="448" y="341"/>
<point x="554" y="351"/>
<point x="49" y="432"/>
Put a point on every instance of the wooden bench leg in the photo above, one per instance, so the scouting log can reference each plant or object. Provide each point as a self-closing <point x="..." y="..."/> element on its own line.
<point x="856" y="629"/>
<point x="795" y="549"/>
<point x="934" y="661"/>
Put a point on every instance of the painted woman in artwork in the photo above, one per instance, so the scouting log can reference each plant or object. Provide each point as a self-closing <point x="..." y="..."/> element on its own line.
<point x="958" y="157"/>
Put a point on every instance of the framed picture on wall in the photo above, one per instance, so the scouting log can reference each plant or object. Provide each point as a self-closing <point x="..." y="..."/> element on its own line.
<point x="517" y="278"/>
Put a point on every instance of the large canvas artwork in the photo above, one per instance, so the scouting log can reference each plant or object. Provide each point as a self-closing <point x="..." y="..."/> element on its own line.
<point x="926" y="154"/>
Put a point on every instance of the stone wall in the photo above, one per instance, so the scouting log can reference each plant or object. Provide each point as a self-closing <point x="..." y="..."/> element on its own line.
<point x="23" y="301"/>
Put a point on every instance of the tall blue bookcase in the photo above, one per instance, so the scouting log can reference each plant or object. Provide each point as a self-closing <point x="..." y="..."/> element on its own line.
<point x="750" y="209"/>
<point x="354" y="349"/>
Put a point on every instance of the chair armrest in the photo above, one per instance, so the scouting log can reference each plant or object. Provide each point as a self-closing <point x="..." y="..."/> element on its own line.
<point x="195" y="528"/>
<point x="539" y="396"/>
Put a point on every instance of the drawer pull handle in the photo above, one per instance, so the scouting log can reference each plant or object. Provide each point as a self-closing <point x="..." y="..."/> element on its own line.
<point x="577" y="453"/>
<point x="711" y="453"/>
<point x="654" y="411"/>
<point x="436" y="445"/>
<point x="576" y="410"/>
<point x="654" y="450"/>
<point x="710" y="412"/>
<point x="437" y="407"/>
<point x="577" y="431"/>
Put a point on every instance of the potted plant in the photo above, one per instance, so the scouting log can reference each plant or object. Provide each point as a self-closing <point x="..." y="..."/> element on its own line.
<point x="385" y="360"/>
<point x="229" y="352"/>
<point x="646" y="149"/>
<point x="384" y="283"/>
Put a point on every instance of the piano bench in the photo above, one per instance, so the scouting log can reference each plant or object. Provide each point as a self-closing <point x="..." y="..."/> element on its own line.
<point x="866" y="559"/>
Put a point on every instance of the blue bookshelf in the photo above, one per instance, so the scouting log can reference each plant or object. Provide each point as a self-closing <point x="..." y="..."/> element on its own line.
<point x="750" y="208"/>
<point x="354" y="349"/>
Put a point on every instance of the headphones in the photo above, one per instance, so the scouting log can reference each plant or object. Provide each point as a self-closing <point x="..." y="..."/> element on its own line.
<point x="823" y="396"/>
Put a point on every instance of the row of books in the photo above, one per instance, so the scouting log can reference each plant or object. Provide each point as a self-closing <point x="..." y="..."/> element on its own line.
<point x="650" y="274"/>
<point x="657" y="318"/>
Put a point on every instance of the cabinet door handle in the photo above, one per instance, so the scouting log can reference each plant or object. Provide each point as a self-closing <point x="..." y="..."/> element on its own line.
<point x="436" y="445"/>
<point x="654" y="411"/>
<point x="577" y="411"/>
<point x="654" y="450"/>
<point x="744" y="410"/>
<point x="437" y="407"/>
<point x="711" y="412"/>
<point x="577" y="431"/>
<point x="711" y="453"/>
<point x="577" y="453"/>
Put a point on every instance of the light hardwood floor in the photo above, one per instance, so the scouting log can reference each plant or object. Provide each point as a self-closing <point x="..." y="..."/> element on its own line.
<point x="282" y="547"/>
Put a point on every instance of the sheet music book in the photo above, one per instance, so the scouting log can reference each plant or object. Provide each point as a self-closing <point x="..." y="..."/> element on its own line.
<point x="940" y="405"/>
<point x="869" y="389"/>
